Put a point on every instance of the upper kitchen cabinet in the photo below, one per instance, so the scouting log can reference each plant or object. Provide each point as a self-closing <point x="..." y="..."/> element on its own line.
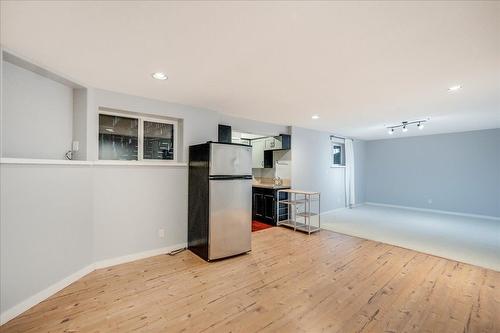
<point x="262" y="150"/>
<point x="258" y="153"/>
<point x="280" y="142"/>
<point x="261" y="158"/>
<point x="272" y="143"/>
<point x="263" y="147"/>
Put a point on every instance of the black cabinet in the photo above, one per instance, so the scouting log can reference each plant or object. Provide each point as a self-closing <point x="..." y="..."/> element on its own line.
<point x="269" y="208"/>
<point x="264" y="205"/>
<point x="258" y="206"/>
<point x="225" y="133"/>
<point x="268" y="159"/>
<point x="286" y="141"/>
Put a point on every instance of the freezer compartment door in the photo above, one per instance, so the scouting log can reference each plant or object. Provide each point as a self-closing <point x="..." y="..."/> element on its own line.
<point x="230" y="228"/>
<point x="230" y="160"/>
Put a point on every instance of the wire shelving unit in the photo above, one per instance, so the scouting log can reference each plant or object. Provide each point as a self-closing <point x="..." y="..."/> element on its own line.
<point x="301" y="210"/>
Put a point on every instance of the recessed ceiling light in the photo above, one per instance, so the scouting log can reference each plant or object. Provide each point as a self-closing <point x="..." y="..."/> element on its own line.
<point x="315" y="116"/>
<point x="159" y="76"/>
<point x="454" y="88"/>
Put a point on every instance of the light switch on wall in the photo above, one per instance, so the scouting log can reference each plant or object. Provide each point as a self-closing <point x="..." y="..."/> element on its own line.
<point x="161" y="233"/>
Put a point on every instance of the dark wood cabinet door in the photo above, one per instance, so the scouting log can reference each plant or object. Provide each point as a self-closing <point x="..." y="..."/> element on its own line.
<point x="269" y="208"/>
<point x="258" y="206"/>
<point x="268" y="159"/>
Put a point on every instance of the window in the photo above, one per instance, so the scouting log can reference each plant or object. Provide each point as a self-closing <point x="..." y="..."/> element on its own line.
<point x="158" y="141"/>
<point x="118" y="137"/>
<point x="130" y="137"/>
<point x="337" y="153"/>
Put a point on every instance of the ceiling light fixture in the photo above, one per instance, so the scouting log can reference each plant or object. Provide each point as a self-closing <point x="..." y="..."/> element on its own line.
<point x="454" y="88"/>
<point x="404" y="125"/>
<point x="159" y="76"/>
<point x="315" y="117"/>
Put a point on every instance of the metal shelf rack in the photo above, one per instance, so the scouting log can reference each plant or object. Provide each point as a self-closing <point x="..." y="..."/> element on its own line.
<point x="301" y="200"/>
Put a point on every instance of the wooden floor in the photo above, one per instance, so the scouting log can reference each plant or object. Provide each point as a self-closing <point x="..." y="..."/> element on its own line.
<point x="290" y="282"/>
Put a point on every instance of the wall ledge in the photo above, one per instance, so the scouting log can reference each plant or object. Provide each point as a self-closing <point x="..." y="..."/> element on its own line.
<point x="140" y="163"/>
<point x="33" y="161"/>
<point x="8" y="160"/>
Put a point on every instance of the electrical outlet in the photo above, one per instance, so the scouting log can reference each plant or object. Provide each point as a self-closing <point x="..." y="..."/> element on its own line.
<point x="76" y="146"/>
<point x="161" y="233"/>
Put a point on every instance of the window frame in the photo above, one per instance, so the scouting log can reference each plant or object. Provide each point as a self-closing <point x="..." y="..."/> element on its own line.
<point x="140" y="134"/>
<point x="333" y="144"/>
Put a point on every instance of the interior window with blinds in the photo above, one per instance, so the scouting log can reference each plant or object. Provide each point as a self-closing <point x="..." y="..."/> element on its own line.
<point x="123" y="137"/>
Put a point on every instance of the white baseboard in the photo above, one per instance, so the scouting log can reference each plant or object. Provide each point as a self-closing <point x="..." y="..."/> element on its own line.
<point x="358" y="205"/>
<point x="334" y="210"/>
<point x="137" y="256"/>
<point x="28" y="303"/>
<point x="434" y="211"/>
<point x="341" y="209"/>
<point x="44" y="294"/>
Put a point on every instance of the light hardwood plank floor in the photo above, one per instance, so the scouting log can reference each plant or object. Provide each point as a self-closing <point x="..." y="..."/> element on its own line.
<point x="290" y="282"/>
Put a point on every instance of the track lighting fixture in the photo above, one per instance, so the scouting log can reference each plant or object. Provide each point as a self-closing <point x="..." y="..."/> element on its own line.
<point x="404" y="126"/>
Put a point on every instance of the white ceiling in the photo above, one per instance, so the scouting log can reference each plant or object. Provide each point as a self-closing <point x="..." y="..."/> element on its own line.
<point x="359" y="65"/>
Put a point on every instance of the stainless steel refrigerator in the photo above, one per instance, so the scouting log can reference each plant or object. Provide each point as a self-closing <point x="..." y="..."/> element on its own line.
<point x="220" y="200"/>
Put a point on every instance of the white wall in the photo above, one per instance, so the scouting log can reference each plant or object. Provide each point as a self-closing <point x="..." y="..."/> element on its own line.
<point x="457" y="172"/>
<point x="311" y="169"/>
<point x="132" y="203"/>
<point x="360" y="170"/>
<point x="46" y="227"/>
<point x="37" y="115"/>
<point x="253" y="126"/>
<point x="80" y="113"/>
